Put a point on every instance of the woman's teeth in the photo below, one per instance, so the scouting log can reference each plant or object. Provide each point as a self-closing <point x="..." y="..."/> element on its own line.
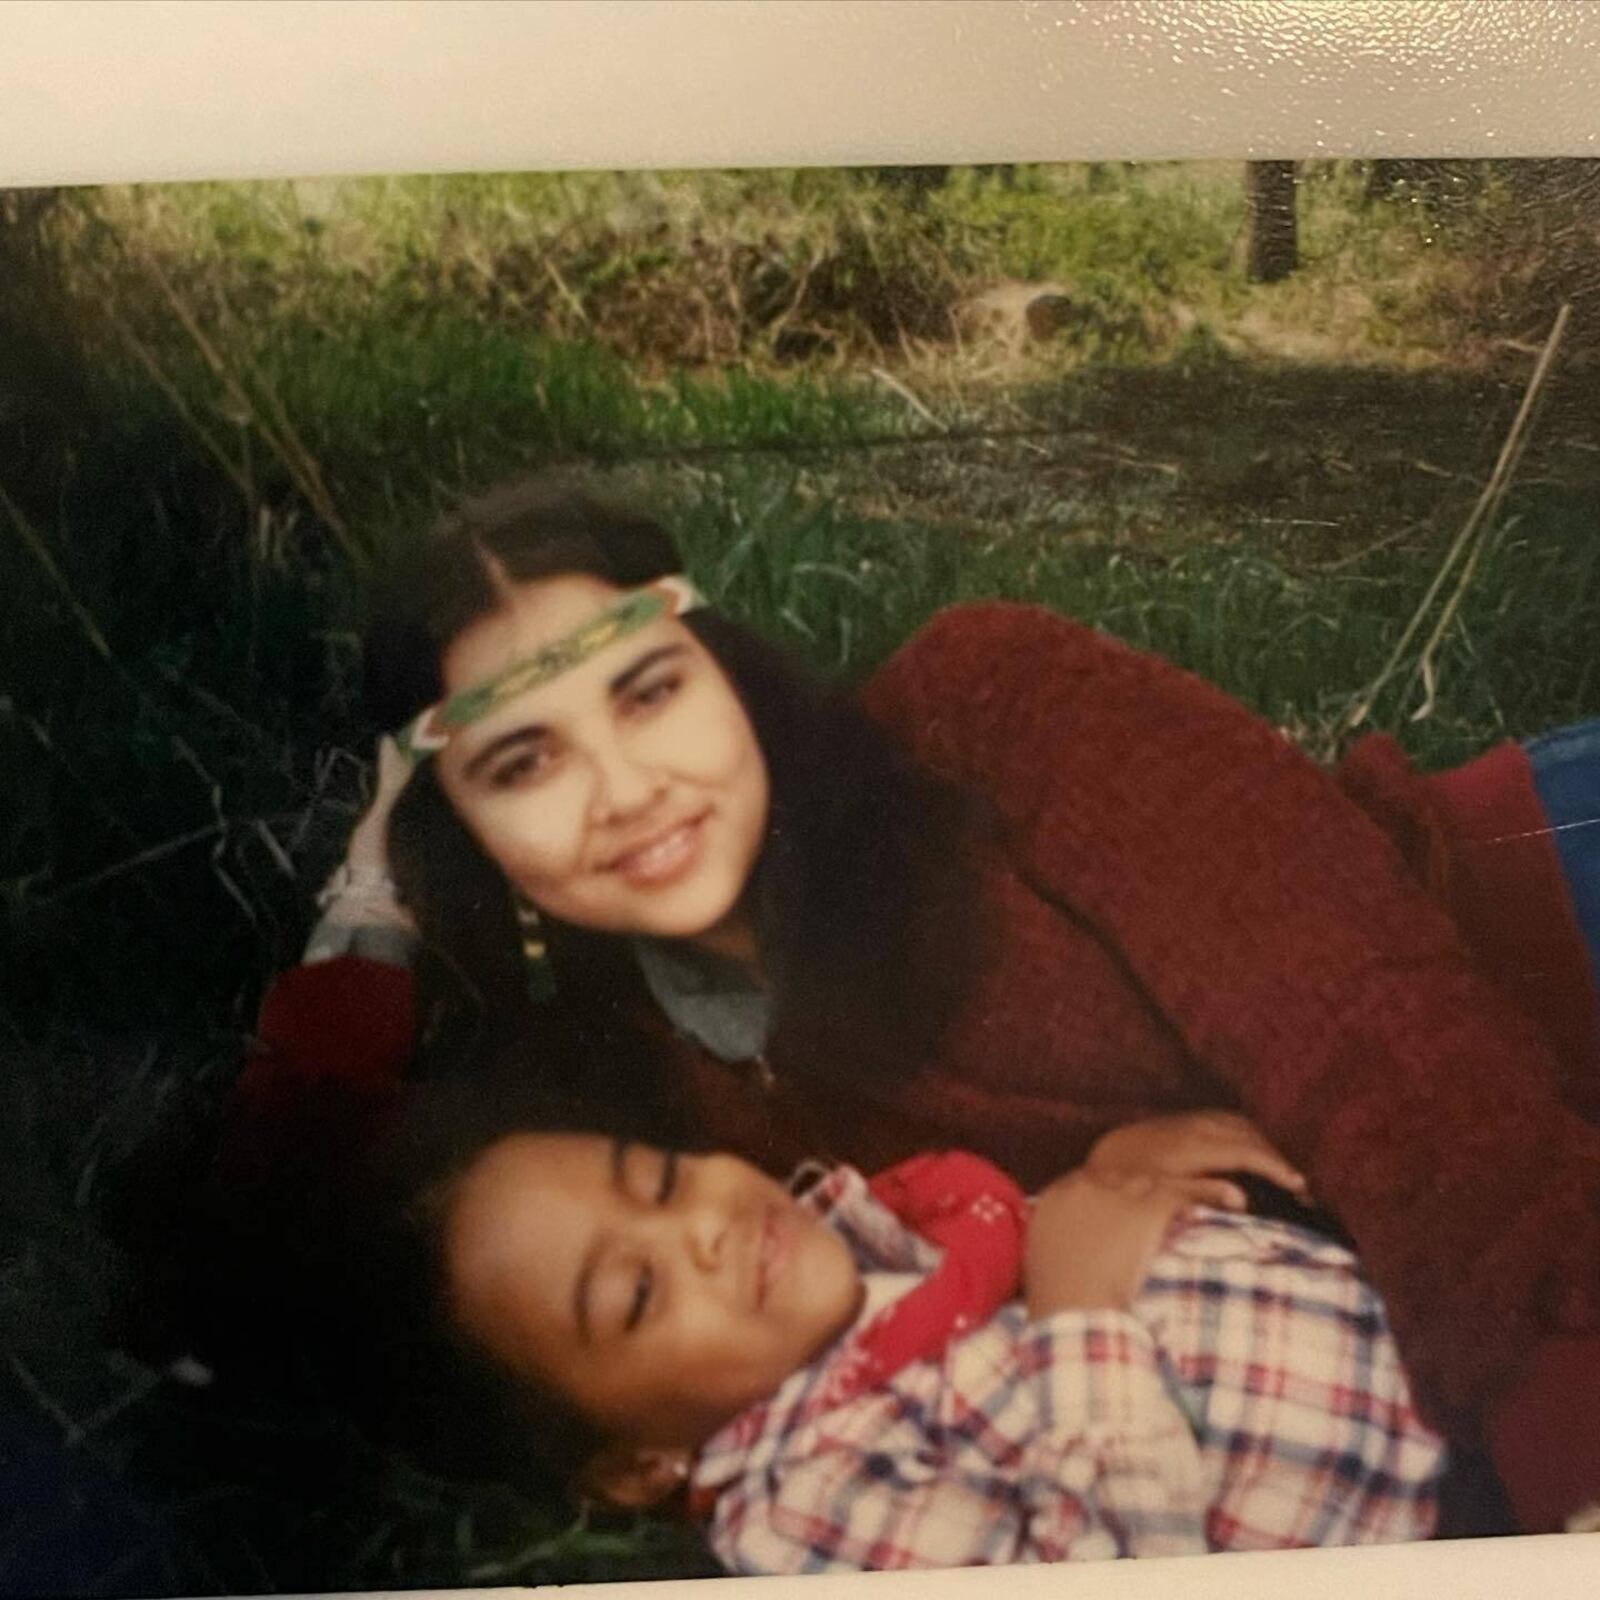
<point x="661" y="857"/>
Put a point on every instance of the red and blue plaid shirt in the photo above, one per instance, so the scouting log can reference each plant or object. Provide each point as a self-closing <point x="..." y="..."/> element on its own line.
<point x="1251" y="1399"/>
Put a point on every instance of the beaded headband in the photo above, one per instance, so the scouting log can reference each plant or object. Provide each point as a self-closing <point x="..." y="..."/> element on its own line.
<point x="664" y="597"/>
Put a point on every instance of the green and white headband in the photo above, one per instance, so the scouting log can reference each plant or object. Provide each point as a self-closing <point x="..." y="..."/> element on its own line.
<point x="664" y="597"/>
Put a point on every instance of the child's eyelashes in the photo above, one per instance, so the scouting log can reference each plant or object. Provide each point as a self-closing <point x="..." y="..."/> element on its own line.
<point x="634" y="1174"/>
<point x="643" y="1288"/>
<point x="656" y="1190"/>
<point x="668" y="1184"/>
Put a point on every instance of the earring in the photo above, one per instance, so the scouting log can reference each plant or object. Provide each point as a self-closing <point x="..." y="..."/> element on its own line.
<point x="535" y="952"/>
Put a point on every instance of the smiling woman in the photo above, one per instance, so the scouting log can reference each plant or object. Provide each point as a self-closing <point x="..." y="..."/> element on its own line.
<point x="691" y="818"/>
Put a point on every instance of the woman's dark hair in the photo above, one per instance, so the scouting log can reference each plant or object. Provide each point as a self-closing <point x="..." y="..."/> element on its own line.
<point x="860" y="895"/>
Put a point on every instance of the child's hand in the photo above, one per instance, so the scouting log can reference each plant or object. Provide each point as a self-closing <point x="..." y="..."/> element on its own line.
<point x="1191" y="1149"/>
<point x="1090" y="1243"/>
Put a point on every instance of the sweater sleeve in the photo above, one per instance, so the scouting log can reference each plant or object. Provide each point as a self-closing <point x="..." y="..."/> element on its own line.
<point x="1084" y="1456"/>
<point x="1304" y="967"/>
<point x="332" y="1045"/>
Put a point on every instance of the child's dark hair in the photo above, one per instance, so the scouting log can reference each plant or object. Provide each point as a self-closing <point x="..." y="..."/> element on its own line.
<point x="319" y="1275"/>
<point x="854" y="894"/>
<point x="407" y="1369"/>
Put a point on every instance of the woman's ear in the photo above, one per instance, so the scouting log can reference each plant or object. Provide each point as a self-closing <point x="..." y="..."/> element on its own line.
<point x="634" y="1477"/>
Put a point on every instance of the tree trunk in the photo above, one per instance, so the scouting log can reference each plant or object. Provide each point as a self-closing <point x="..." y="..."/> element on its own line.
<point x="916" y="183"/>
<point x="1274" y="248"/>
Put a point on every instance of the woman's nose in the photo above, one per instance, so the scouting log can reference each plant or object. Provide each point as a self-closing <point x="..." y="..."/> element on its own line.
<point x="622" y="785"/>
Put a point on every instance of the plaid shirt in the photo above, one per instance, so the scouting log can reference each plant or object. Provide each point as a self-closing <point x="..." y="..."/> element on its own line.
<point x="1252" y="1399"/>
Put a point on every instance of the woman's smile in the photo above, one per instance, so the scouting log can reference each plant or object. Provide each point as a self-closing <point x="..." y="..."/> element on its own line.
<point x="664" y="857"/>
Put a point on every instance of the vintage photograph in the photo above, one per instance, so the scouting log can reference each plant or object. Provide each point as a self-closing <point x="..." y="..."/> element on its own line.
<point x="794" y="871"/>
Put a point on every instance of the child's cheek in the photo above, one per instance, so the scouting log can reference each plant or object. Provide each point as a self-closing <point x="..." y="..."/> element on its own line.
<point x="714" y="1351"/>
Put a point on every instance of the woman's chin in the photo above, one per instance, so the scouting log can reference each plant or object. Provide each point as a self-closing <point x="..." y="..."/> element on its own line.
<point x="699" y="912"/>
<point x="710" y="922"/>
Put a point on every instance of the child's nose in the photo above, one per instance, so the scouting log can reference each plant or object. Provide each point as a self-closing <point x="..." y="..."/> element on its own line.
<point x="706" y="1228"/>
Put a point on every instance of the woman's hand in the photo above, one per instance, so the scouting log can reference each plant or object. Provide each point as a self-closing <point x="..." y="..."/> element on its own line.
<point x="361" y="891"/>
<point x="1192" y="1148"/>
<point x="1090" y="1243"/>
<point x="368" y="851"/>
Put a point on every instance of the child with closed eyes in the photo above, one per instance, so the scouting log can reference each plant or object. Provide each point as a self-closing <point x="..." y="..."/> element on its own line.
<point x="926" y="1369"/>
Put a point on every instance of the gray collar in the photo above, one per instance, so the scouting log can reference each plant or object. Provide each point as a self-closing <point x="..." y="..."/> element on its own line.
<point x="713" y="1000"/>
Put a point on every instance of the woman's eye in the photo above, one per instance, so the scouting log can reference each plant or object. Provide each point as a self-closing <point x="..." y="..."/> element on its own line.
<point x="657" y="692"/>
<point x="520" y="768"/>
<point x="643" y="1288"/>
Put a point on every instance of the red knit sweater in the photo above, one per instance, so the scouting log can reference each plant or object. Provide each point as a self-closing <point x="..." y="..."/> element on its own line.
<point x="1187" y="912"/>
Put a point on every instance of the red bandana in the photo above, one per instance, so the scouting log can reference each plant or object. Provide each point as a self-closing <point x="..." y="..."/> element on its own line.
<point x="979" y="1217"/>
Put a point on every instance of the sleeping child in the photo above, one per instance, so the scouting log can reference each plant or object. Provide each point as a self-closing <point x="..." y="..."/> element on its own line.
<point x="926" y="1369"/>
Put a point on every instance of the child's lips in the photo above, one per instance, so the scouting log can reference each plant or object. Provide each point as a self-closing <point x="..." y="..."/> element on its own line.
<point x="773" y="1250"/>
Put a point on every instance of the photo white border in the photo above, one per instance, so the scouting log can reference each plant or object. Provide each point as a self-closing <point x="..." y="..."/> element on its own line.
<point x="128" y="90"/>
<point x="99" y="91"/>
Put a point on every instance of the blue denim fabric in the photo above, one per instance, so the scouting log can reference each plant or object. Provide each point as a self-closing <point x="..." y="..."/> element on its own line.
<point x="1566" y="776"/>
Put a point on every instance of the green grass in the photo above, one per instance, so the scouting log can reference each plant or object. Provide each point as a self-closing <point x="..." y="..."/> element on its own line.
<point x="1263" y="498"/>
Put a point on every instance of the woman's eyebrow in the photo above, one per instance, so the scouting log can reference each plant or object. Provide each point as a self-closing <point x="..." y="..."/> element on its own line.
<point x="536" y="730"/>
<point x="643" y="664"/>
<point x="498" y="747"/>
